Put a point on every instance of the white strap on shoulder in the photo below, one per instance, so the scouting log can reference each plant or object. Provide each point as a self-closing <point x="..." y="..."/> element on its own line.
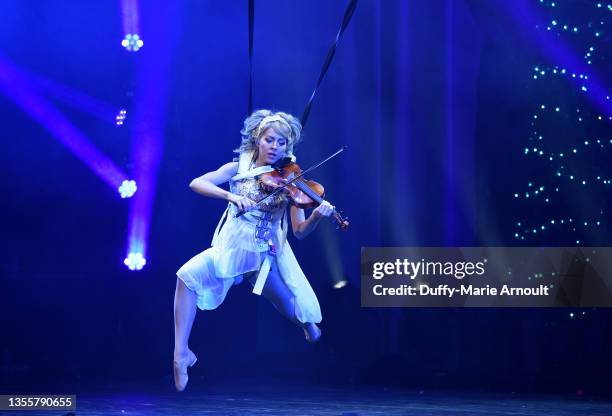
<point x="244" y="167"/>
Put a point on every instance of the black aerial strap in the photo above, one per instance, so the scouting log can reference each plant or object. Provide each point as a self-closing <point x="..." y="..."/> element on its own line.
<point x="330" y="56"/>
<point x="348" y="14"/>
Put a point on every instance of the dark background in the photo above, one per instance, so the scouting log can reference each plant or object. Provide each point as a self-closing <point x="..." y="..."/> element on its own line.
<point x="434" y="99"/>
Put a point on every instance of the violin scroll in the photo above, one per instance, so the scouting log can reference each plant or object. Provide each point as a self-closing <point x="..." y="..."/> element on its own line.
<point x="343" y="223"/>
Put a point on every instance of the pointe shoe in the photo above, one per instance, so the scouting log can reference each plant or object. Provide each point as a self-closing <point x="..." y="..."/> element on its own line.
<point x="180" y="370"/>
<point x="312" y="332"/>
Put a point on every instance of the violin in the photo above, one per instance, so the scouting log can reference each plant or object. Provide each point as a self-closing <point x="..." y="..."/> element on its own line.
<point x="303" y="193"/>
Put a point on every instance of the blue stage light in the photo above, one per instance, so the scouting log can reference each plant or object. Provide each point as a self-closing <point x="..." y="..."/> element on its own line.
<point x="340" y="284"/>
<point x="120" y="118"/>
<point x="128" y="188"/>
<point x="132" y="42"/>
<point x="135" y="261"/>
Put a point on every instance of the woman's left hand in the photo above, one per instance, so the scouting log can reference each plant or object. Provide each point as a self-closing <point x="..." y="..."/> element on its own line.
<point x="325" y="209"/>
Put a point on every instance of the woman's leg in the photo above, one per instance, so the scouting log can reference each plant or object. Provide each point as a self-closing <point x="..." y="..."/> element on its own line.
<point x="277" y="292"/>
<point x="184" y="314"/>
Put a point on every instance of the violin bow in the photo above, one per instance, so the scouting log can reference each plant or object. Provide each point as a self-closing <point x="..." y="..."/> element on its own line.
<point x="280" y="188"/>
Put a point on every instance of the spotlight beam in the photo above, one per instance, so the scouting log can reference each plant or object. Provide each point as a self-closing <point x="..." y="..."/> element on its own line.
<point x="148" y="121"/>
<point x="17" y="87"/>
<point x="74" y="98"/>
<point x="130" y="16"/>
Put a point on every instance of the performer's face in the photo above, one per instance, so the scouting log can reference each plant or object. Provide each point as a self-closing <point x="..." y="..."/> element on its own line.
<point x="272" y="146"/>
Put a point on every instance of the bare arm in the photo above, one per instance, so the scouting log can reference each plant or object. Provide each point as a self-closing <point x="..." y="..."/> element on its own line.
<point x="302" y="226"/>
<point x="207" y="185"/>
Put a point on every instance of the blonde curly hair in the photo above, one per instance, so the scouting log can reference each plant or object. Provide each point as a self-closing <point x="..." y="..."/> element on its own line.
<point x="254" y="126"/>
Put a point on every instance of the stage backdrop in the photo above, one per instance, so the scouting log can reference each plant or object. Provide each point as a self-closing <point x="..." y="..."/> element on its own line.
<point x="436" y="102"/>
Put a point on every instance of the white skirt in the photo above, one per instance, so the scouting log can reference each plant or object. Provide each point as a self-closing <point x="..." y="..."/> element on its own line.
<point x="211" y="273"/>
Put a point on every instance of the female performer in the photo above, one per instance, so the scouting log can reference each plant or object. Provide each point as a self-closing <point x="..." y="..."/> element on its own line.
<point x="253" y="245"/>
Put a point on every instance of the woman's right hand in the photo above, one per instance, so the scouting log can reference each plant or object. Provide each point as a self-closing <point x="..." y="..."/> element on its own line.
<point x="242" y="202"/>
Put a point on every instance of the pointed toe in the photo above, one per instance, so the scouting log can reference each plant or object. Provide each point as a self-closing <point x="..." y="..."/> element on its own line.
<point x="180" y="370"/>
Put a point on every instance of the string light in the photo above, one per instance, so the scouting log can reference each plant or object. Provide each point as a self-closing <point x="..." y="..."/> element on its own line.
<point x="585" y="174"/>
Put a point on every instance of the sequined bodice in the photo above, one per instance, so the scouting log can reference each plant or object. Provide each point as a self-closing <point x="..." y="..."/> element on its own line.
<point x="251" y="189"/>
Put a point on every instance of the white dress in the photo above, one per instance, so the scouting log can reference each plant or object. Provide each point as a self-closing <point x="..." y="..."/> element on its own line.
<point x="240" y="246"/>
